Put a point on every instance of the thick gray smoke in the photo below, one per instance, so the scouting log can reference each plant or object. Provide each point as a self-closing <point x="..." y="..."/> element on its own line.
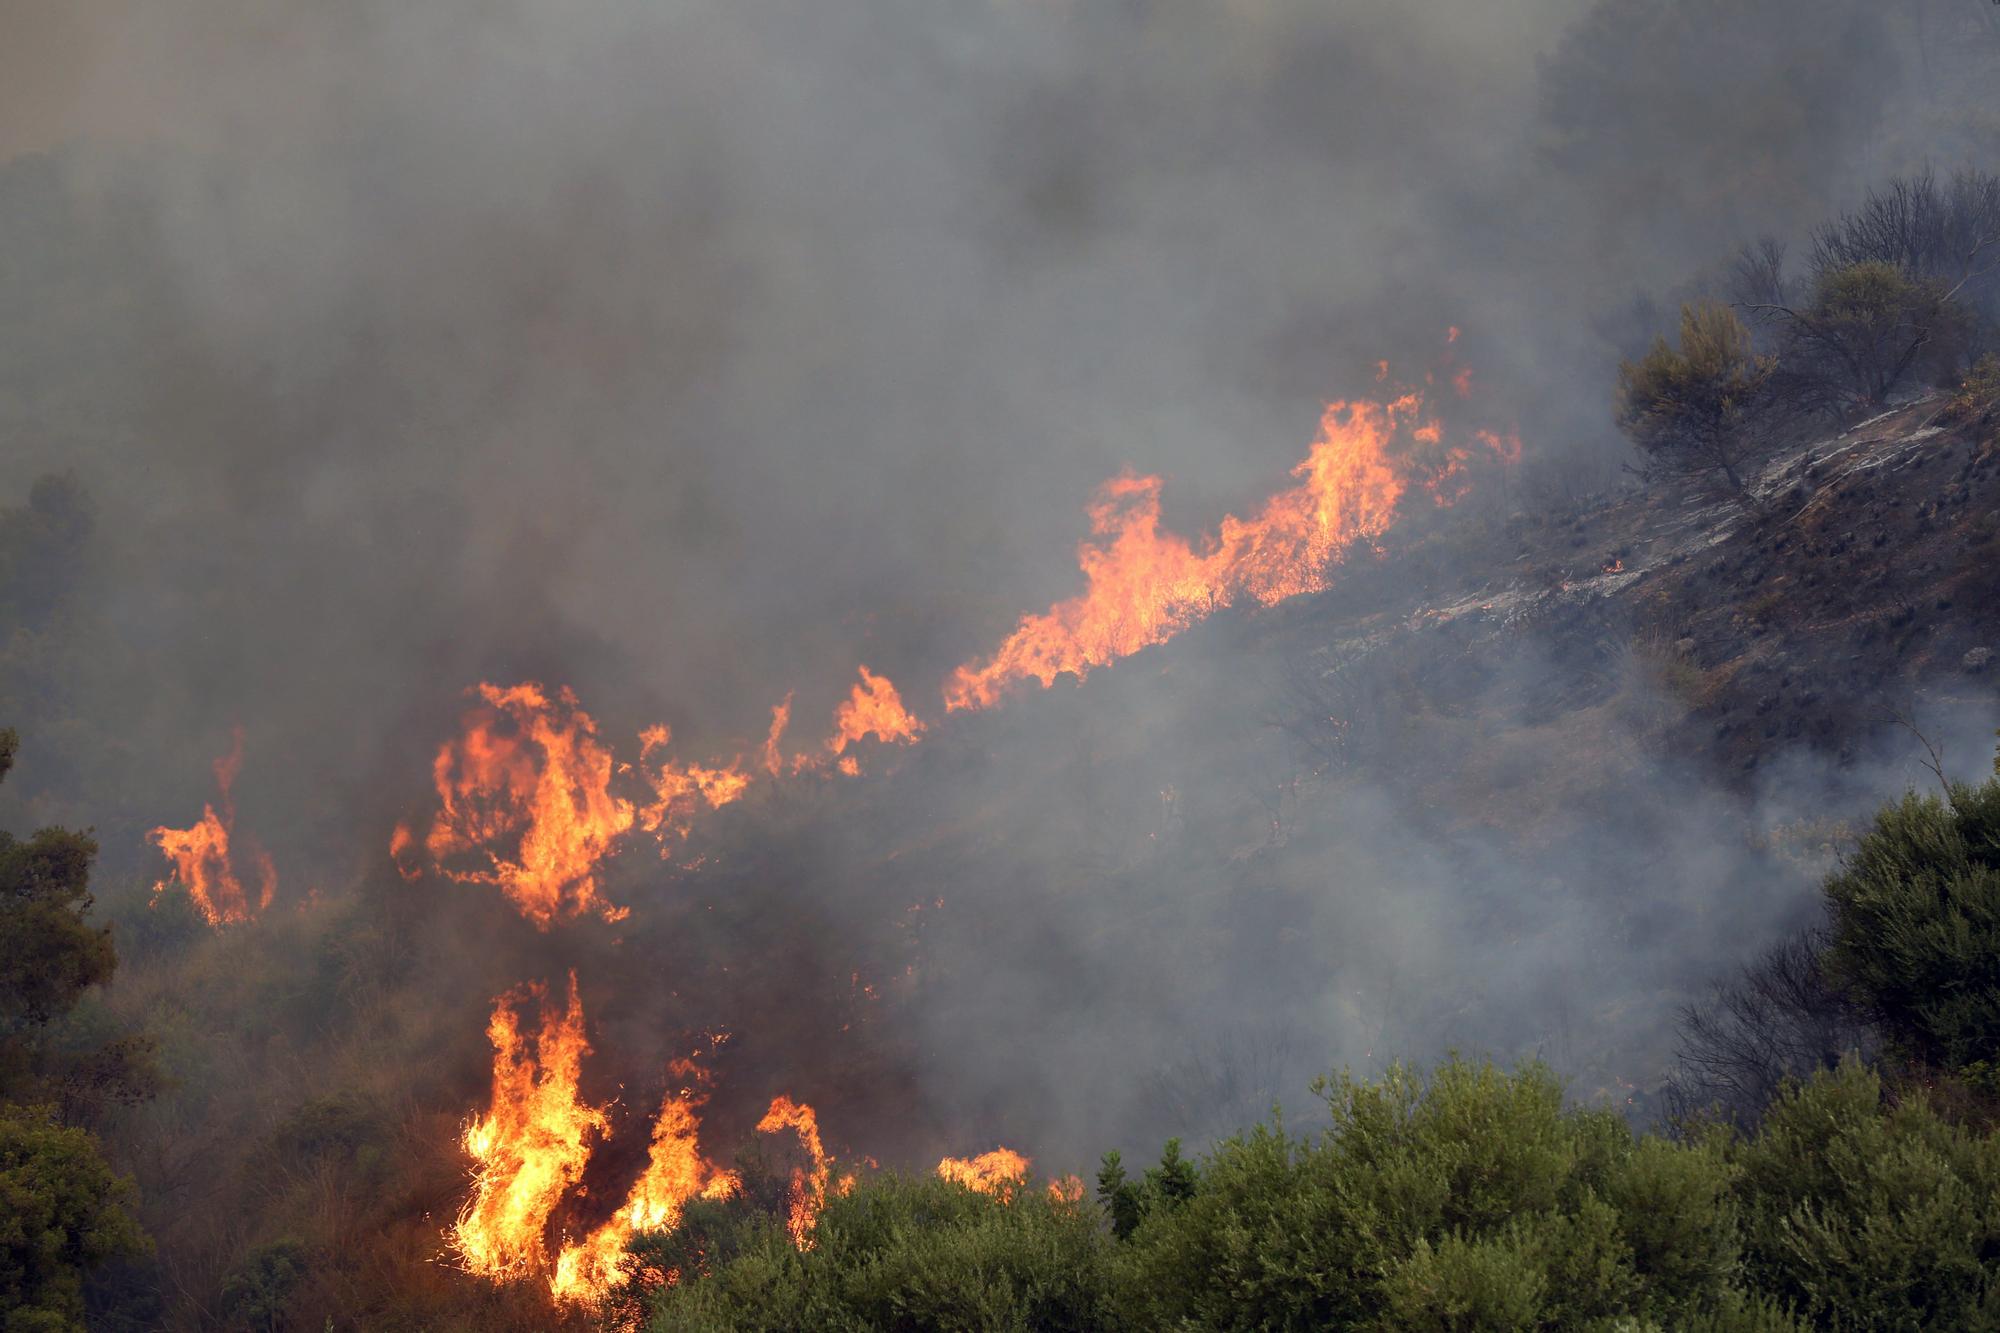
<point x="690" y="353"/>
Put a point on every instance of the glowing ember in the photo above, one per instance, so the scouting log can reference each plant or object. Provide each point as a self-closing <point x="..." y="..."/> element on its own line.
<point x="873" y="709"/>
<point x="526" y="804"/>
<point x="1145" y="585"/>
<point x="998" y="1173"/>
<point x="530" y="1148"/>
<point x="808" y="1193"/>
<point x="203" y="862"/>
<point x="675" y="1173"/>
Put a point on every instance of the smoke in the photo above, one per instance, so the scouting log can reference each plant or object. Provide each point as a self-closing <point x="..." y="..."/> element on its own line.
<point x="691" y="354"/>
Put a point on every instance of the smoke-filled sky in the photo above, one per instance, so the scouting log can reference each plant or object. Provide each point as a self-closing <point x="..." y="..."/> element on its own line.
<point x="691" y="352"/>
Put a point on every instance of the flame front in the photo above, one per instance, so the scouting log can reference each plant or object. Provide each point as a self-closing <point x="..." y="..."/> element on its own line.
<point x="1144" y="586"/>
<point x="676" y="1173"/>
<point x="531" y="1146"/>
<point x="998" y="1173"/>
<point x="808" y="1194"/>
<point x="203" y="862"/>
<point x="525" y="796"/>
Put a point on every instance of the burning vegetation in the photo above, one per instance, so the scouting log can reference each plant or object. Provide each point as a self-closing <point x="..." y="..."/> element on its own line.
<point x="205" y="866"/>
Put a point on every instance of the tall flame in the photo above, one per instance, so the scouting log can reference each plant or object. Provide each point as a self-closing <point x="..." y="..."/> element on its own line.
<point x="676" y="1173"/>
<point x="532" y="1145"/>
<point x="203" y="862"/>
<point x="525" y="797"/>
<point x="808" y="1193"/>
<point x="999" y="1172"/>
<point x="1144" y="586"/>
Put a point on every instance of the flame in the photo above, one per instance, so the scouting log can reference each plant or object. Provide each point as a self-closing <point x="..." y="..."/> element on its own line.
<point x="530" y="1148"/>
<point x="676" y="1173"/>
<point x="998" y="1173"/>
<point x="203" y="862"/>
<point x="873" y="709"/>
<point x="1067" y="1190"/>
<point x="1145" y="586"/>
<point x="781" y="717"/>
<point x="684" y="790"/>
<point x="808" y="1193"/>
<point x="528" y="770"/>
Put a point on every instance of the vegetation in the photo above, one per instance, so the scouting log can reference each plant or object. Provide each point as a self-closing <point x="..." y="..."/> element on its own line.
<point x="1902" y="292"/>
<point x="1471" y="1199"/>
<point x="1691" y="410"/>
<point x="63" y="1210"/>
<point x="1833" y="1193"/>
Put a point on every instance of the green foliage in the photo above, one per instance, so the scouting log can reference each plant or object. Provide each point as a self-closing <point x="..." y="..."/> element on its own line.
<point x="898" y="1253"/>
<point x="48" y="954"/>
<point x="256" y="1290"/>
<point x="1866" y="1215"/>
<point x="1690" y="410"/>
<point x="1916" y="925"/>
<point x="1471" y="1200"/>
<point x="62" y="1213"/>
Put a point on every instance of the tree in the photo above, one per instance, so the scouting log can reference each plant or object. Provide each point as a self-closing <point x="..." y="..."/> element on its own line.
<point x="62" y="1208"/>
<point x="1692" y="411"/>
<point x="62" y="1213"/>
<point x="1869" y="329"/>
<point x="1948" y="232"/>
<point x="1916" y="926"/>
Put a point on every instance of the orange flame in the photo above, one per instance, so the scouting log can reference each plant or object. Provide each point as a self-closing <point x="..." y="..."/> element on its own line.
<point x="781" y="717"/>
<point x="676" y="1173"/>
<point x="808" y="1194"/>
<point x="873" y="709"/>
<point x="684" y="790"/>
<point x="203" y="862"/>
<point x="531" y="1147"/>
<point x="1145" y="586"/>
<point x="529" y="771"/>
<point x="999" y="1173"/>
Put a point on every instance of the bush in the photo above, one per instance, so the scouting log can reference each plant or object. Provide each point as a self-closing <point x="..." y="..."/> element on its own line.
<point x="1916" y="925"/>
<point x="1863" y="1215"/>
<point x="1691" y="411"/>
<point x="1471" y="1200"/>
<point x="902" y="1253"/>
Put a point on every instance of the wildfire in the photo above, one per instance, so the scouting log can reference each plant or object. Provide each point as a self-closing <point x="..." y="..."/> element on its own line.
<point x="525" y="803"/>
<point x="1145" y="585"/>
<point x="998" y="1173"/>
<point x="873" y="709"/>
<point x="531" y="1146"/>
<point x="808" y="1193"/>
<point x="684" y="790"/>
<point x="203" y="862"/>
<point x="676" y="1173"/>
<point x="781" y="717"/>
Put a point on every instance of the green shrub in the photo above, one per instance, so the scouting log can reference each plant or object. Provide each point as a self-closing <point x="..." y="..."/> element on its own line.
<point x="1866" y="1215"/>
<point x="899" y="1253"/>
<point x="1916" y="925"/>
